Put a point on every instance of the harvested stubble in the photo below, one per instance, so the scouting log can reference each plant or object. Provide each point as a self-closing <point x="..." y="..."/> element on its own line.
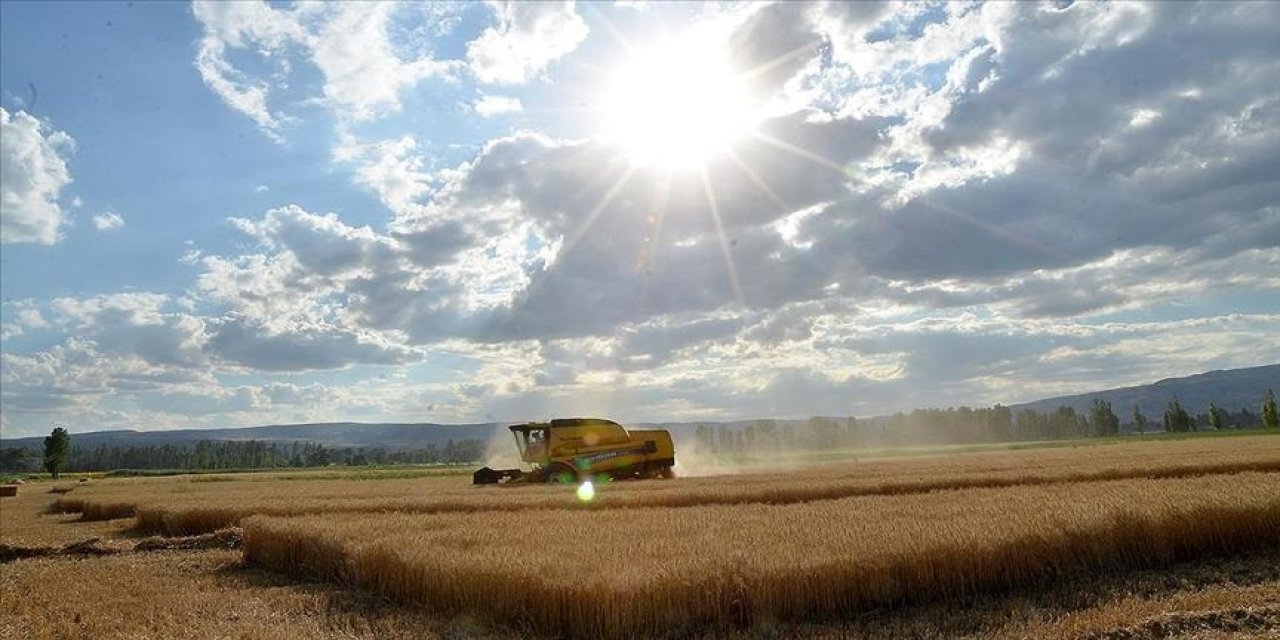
<point x="626" y="572"/>
<point x="201" y="508"/>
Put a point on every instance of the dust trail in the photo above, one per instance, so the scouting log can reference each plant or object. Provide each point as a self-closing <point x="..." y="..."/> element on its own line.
<point x="695" y="460"/>
<point x="500" y="449"/>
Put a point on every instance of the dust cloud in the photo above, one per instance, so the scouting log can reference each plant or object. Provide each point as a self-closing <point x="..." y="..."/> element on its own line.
<point x="500" y="449"/>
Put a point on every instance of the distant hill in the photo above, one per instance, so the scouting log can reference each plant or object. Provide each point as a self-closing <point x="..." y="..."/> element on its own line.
<point x="394" y="436"/>
<point x="1231" y="389"/>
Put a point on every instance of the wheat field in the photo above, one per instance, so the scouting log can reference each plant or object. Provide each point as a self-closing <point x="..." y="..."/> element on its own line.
<point x="668" y="570"/>
<point x="197" y="505"/>
<point x="927" y="547"/>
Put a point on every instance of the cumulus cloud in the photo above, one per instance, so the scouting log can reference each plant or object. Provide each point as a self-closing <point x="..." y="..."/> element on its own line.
<point x="107" y="220"/>
<point x="393" y="168"/>
<point x="529" y="36"/>
<point x="316" y="345"/>
<point x="33" y="171"/>
<point x="146" y="325"/>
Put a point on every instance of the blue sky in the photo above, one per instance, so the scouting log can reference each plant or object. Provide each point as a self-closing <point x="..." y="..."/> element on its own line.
<point x="245" y="213"/>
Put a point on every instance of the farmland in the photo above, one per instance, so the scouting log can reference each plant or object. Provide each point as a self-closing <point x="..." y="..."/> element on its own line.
<point x="1043" y="542"/>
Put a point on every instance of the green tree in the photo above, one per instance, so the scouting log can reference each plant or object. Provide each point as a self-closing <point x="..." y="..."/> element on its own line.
<point x="1270" y="413"/>
<point x="56" y="446"/>
<point x="1104" y="421"/>
<point x="1139" y="420"/>
<point x="1215" y="417"/>
<point x="1176" y="419"/>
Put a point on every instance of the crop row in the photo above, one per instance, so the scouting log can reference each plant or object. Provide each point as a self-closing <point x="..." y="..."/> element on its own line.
<point x="626" y="572"/>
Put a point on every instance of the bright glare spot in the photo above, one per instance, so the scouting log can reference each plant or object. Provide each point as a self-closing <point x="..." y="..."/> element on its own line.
<point x="586" y="491"/>
<point x="677" y="104"/>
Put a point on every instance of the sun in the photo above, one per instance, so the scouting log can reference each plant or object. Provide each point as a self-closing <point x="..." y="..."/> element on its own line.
<point x="677" y="104"/>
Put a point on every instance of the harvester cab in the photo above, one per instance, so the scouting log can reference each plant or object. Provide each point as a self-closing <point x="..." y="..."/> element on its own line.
<point x="572" y="449"/>
<point x="531" y="441"/>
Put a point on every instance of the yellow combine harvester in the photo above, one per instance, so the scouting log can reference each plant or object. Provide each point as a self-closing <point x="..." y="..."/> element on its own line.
<point x="570" y="449"/>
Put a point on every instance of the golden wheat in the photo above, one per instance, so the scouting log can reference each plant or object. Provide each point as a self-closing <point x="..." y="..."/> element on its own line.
<point x="193" y="507"/>
<point x="647" y="571"/>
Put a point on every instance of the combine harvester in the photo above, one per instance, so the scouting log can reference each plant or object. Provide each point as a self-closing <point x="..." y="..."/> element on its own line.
<point x="573" y="449"/>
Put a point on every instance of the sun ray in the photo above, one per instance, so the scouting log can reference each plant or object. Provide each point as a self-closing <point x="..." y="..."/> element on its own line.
<point x="610" y="27"/>
<point x="595" y="212"/>
<point x="1012" y="236"/>
<point x="774" y="62"/>
<point x="537" y="283"/>
<point x="662" y="200"/>
<point x="803" y="153"/>
<point x="724" y="238"/>
<point x="759" y="182"/>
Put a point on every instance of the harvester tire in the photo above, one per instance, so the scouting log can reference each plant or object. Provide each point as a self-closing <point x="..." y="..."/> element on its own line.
<point x="562" y="473"/>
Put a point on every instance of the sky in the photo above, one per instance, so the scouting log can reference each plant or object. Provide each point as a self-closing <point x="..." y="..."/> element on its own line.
<point x="243" y="213"/>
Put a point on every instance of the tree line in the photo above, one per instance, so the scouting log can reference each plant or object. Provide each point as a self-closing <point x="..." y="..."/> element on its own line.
<point x="965" y="425"/>
<point x="62" y="455"/>
<point x="950" y="426"/>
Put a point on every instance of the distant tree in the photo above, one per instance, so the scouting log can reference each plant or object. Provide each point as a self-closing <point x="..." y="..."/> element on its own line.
<point x="1001" y="426"/>
<point x="1139" y="420"/>
<point x="1270" y="413"/>
<point x="1176" y="419"/>
<point x="1104" y="421"/>
<point x="56" y="446"/>
<point x="1215" y="417"/>
<point x="15" y="460"/>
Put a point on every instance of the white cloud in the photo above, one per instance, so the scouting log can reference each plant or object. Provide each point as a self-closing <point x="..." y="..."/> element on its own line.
<point x="107" y="221"/>
<point x="393" y="168"/>
<point x="262" y="188"/>
<point x="363" y="75"/>
<point x="489" y="106"/>
<point x="347" y="42"/>
<point x="243" y="25"/>
<point x="33" y="170"/>
<point x="529" y="36"/>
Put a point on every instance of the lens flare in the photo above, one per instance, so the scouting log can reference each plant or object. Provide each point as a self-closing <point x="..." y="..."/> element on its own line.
<point x="586" y="491"/>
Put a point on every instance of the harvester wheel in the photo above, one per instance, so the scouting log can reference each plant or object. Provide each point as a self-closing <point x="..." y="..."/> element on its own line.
<point x="562" y="473"/>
